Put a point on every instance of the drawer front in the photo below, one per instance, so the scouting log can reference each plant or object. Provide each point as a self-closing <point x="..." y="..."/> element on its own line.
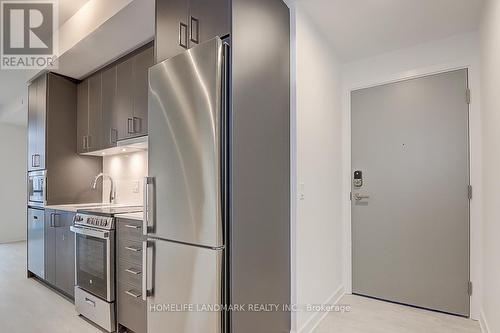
<point x="130" y="273"/>
<point x="129" y="229"/>
<point x="131" y="308"/>
<point x="129" y="251"/>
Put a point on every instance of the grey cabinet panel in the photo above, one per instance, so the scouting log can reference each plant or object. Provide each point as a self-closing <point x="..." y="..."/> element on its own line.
<point x="60" y="251"/>
<point x="82" y="116"/>
<point x="95" y="113"/>
<point x="37" y="100"/>
<point x="65" y="253"/>
<point x="141" y="64"/>
<point x="131" y="309"/>
<point x="170" y="15"/>
<point x="32" y="126"/>
<point x="110" y="111"/>
<point x="124" y="99"/>
<point x="41" y="101"/>
<point x="208" y="19"/>
<point x="50" y="247"/>
<point x="36" y="227"/>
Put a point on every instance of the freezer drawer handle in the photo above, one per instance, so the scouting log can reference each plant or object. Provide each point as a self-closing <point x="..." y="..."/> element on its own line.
<point x="147" y="266"/>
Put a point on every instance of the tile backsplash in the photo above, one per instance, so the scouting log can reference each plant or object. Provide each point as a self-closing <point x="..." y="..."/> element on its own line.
<point x="128" y="172"/>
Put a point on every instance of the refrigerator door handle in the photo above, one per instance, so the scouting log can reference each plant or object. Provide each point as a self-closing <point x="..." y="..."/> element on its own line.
<point x="147" y="267"/>
<point x="149" y="208"/>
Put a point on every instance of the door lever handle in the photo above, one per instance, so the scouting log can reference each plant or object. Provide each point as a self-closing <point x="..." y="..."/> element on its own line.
<point x="359" y="197"/>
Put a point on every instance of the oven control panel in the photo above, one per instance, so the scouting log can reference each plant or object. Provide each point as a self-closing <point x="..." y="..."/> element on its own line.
<point x="101" y="222"/>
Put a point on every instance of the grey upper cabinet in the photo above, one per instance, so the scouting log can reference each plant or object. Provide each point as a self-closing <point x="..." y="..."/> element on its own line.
<point x="171" y="28"/>
<point x="110" y="114"/>
<point x="141" y="64"/>
<point x="89" y="114"/>
<point x="60" y="251"/>
<point x="181" y="24"/>
<point x="208" y="19"/>
<point x="124" y="99"/>
<point x="82" y="116"/>
<point x="113" y="103"/>
<point x="37" y="110"/>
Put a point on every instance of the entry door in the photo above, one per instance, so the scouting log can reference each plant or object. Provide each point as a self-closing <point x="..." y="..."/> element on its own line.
<point x="410" y="198"/>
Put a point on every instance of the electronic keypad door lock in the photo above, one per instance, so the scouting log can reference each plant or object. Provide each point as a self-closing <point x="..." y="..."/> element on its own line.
<point x="358" y="179"/>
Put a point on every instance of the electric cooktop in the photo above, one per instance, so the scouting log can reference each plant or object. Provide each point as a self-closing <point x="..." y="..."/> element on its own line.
<point x="110" y="211"/>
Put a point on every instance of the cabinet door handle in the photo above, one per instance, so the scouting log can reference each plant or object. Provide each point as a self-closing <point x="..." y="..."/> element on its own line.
<point x="137" y="129"/>
<point x="132" y="226"/>
<point x="133" y="271"/>
<point x="195" y="30"/>
<point x="85" y="145"/>
<point x="113" y="136"/>
<point x="133" y="249"/>
<point x="183" y="35"/>
<point x="130" y="126"/>
<point x="90" y="302"/>
<point x="51" y="224"/>
<point x="133" y="294"/>
<point x="35" y="160"/>
<point x="89" y="142"/>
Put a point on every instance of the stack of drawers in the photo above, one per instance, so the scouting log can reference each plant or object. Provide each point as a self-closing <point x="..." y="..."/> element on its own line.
<point x="131" y="309"/>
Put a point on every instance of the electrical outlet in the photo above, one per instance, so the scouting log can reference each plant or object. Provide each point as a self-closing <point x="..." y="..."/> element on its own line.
<point x="135" y="187"/>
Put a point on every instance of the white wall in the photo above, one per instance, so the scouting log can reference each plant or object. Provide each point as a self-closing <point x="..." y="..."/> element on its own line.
<point x="490" y="83"/>
<point x="13" y="183"/>
<point x="318" y="233"/>
<point x="128" y="172"/>
<point x="456" y="52"/>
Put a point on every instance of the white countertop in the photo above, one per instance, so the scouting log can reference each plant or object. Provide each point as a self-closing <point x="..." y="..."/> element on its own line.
<point x="131" y="216"/>
<point x="74" y="207"/>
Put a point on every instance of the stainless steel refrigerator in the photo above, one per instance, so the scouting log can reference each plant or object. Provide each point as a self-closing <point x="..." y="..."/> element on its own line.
<point x="185" y="193"/>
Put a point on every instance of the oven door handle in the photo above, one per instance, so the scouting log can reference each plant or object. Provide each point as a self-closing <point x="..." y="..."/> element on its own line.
<point x="90" y="232"/>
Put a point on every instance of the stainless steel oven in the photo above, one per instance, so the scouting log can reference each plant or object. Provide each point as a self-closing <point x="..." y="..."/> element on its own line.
<point x="37" y="188"/>
<point x="94" y="261"/>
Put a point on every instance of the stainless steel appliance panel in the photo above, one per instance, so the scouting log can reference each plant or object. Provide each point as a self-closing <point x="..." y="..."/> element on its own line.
<point x="37" y="188"/>
<point x="183" y="275"/>
<point x="95" y="261"/>
<point x="183" y="200"/>
<point x="36" y="253"/>
<point x="98" y="311"/>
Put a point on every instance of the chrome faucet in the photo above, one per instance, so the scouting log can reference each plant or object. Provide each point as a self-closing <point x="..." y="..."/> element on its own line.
<point x="112" y="189"/>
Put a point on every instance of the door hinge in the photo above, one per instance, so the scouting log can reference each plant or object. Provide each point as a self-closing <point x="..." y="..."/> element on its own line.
<point x="469" y="288"/>
<point x="467" y="96"/>
<point x="469" y="192"/>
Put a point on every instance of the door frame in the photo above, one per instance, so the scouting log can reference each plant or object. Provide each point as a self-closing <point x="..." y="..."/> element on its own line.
<point x="474" y="172"/>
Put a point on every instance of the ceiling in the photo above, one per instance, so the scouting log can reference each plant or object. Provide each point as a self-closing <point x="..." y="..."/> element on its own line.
<point x="363" y="28"/>
<point x="68" y="8"/>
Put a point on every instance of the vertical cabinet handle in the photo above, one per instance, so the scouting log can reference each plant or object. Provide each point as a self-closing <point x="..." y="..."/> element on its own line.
<point x="130" y="126"/>
<point x="183" y="35"/>
<point x="85" y="143"/>
<point x="35" y="160"/>
<point x="195" y="30"/>
<point x="137" y="128"/>
<point x="51" y="220"/>
<point x="113" y="136"/>
<point x="89" y="141"/>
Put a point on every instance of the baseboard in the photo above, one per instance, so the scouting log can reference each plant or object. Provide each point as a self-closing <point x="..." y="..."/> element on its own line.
<point x="318" y="317"/>
<point x="12" y="241"/>
<point x="483" y="323"/>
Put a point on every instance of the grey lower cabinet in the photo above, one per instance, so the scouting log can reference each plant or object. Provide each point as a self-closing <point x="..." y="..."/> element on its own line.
<point x="131" y="309"/>
<point x="60" y="251"/>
